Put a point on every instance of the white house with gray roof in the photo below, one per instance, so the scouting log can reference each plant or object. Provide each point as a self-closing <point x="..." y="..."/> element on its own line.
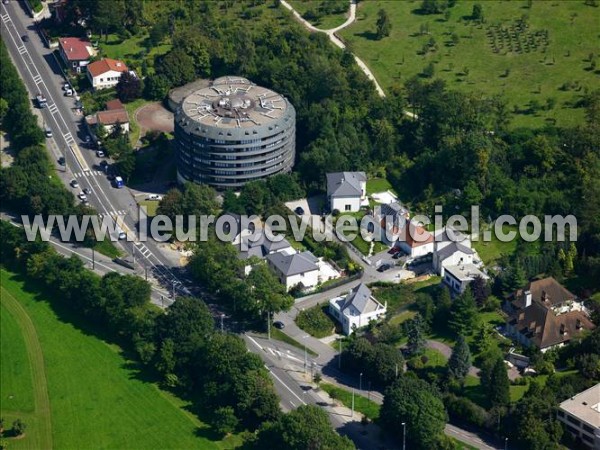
<point x="356" y="309"/>
<point x="347" y="191"/>
<point x="260" y="246"/>
<point x="295" y="269"/>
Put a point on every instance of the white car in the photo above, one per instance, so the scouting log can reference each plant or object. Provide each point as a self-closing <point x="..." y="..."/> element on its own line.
<point x="74" y="184"/>
<point x="100" y="154"/>
<point x="66" y="86"/>
<point x="154" y="197"/>
<point x="82" y="196"/>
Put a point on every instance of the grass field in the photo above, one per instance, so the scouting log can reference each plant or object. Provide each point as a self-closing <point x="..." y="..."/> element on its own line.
<point x="107" y="248"/>
<point x="491" y="251"/>
<point x="97" y="396"/>
<point x="378" y="185"/>
<point x="361" y="404"/>
<point x="535" y="74"/>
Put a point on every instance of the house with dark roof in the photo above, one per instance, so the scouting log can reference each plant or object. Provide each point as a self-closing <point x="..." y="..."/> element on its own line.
<point x="76" y="52"/>
<point x="260" y="246"/>
<point x="105" y="73"/>
<point x="388" y="221"/>
<point x="347" y="191"/>
<point x="356" y="309"/>
<point x="298" y="269"/>
<point x="546" y="315"/>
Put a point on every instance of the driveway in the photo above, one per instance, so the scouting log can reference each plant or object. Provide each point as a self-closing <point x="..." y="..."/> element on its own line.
<point x="446" y="350"/>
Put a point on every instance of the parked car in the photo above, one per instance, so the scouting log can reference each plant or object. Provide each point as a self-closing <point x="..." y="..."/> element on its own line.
<point x="279" y="325"/>
<point x="25" y="38"/>
<point x="394" y="250"/>
<point x="66" y="86"/>
<point x="398" y="255"/>
<point x="61" y="161"/>
<point x="48" y="132"/>
<point x="384" y="267"/>
<point x="74" y="184"/>
<point x="87" y="191"/>
<point x="100" y="154"/>
<point x="299" y="210"/>
<point x="69" y="92"/>
<point x="82" y="196"/>
<point x="154" y="197"/>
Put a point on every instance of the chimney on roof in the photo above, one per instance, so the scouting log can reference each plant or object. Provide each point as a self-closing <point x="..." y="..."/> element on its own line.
<point x="563" y="329"/>
<point x="71" y="49"/>
<point x="527" y="298"/>
<point x="578" y="324"/>
<point x="545" y="296"/>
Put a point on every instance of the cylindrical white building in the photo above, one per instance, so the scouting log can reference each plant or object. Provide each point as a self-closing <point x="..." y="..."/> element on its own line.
<point x="233" y="132"/>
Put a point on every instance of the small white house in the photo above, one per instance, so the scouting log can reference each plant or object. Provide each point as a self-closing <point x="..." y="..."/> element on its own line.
<point x="356" y="309"/>
<point x="458" y="276"/>
<point x="452" y="254"/>
<point x="347" y="191"/>
<point x="105" y="73"/>
<point x="295" y="269"/>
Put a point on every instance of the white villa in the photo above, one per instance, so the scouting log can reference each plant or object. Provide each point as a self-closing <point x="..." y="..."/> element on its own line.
<point x="347" y="191"/>
<point x="356" y="309"/>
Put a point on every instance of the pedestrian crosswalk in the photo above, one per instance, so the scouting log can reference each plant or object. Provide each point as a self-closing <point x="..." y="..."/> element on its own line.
<point x="5" y="18"/>
<point x="90" y="173"/>
<point x="68" y="136"/>
<point x="37" y="80"/>
<point x="120" y="212"/>
<point x="143" y="249"/>
<point x="22" y="49"/>
<point x="53" y="108"/>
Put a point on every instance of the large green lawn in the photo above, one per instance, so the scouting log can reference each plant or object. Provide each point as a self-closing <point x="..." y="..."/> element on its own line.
<point x="536" y="74"/>
<point x="98" y="397"/>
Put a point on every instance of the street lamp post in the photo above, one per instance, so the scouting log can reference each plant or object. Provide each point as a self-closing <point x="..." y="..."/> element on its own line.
<point x="505" y="443"/>
<point x="352" y="403"/>
<point x="305" y="359"/>
<point x="340" y="357"/>
<point x="93" y="259"/>
<point x="360" y="382"/>
<point x="222" y="317"/>
<point x="173" y="290"/>
<point x="268" y="325"/>
<point x="369" y="391"/>
<point x="403" y="435"/>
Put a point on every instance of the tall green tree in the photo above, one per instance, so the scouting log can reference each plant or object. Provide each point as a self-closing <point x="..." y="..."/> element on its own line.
<point x="414" y="402"/>
<point x="384" y="26"/>
<point x="463" y="314"/>
<point x="499" y="385"/>
<point x="460" y="360"/>
<point x="415" y="332"/>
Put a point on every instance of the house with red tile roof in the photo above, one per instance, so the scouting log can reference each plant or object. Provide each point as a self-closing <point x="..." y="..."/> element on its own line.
<point x="105" y="73"/>
<point x="76" y="52"/>
<point x="114" y="115"/>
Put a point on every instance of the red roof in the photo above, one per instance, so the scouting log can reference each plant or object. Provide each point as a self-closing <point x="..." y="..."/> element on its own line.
<point x="112" y="117"/>
<point x="75" y="49"/>
<point x="114" y="104"/>
<point x="97" y="68"/>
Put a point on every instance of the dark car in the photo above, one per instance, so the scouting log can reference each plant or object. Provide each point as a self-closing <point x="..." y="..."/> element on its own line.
<point x="279" y="325"/>
<point x="87" y="191"/>
<point x="384" y="267"/>
<point x="394" y="250"/>
<point x="61" y="160"/>
<point x="299" y="210"/>
<point x="25" y="38"/>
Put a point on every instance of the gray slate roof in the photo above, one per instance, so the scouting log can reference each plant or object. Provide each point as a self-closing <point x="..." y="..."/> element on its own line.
<point x="345" y="184"/>
<point x="262" y="246"/>
<point x="293" y="264"/>
<point x="452" y="248"/>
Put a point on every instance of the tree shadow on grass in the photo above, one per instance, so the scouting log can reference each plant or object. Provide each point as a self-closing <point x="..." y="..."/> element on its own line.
<point x="368" y="35"/>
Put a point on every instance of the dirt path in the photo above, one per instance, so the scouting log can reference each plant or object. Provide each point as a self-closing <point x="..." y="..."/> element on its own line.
<point x="36" y="361"/>
<point x="331" y="33"/>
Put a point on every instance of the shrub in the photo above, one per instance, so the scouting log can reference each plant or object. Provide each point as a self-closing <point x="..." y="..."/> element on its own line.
<point x="315" y="321"/>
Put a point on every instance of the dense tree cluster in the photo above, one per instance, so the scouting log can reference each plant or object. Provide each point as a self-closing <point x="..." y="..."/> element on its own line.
<point x="380" y="363"/>
<point x="417" y="404"/>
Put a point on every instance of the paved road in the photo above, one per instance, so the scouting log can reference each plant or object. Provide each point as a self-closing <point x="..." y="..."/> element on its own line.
<point x="41" y="73"/>
<point x="285" y="363"/>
